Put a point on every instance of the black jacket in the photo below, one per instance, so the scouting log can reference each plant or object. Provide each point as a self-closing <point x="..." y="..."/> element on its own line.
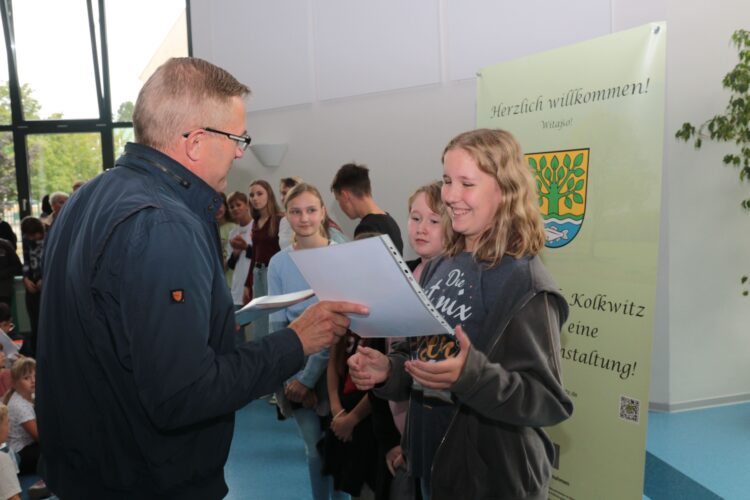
<point x="509" y="388"/>
<point x="138" y="376"/>
<point x="10" y="267"/>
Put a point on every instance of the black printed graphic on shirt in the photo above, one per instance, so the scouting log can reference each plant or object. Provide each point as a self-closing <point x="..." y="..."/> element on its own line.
<point x="454" y="291"/>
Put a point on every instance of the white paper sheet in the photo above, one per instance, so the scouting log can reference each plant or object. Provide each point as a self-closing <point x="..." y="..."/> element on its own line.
<point x="261" y="306"/>
<point x="372" y="272"/>
<point x="9" y="347"/>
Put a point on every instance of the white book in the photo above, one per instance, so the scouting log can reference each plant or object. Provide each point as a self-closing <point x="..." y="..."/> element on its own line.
<point x="261" y="306"/>
<point x="371" y="272"/>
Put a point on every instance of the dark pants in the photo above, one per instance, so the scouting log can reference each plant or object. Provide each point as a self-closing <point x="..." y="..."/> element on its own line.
<point x="29" y="459"/>
<point x="33" y="301"/>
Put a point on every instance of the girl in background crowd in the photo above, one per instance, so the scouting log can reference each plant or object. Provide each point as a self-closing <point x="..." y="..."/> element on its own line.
<point x="240" y="239"/>
<point x="285" y="230"/>
<point x="425" y="232"/>
<point x="350" y="448"/>
<point x="425" y="226"/>
<point x="23" y="437"/>
<point x="285" y="185"/>
<point x="304" y="396"/>
<point x="265" y="243"/>
<point x="361" y="428"/>
<point x="485" y="440"/>
<point x="286" y="234"/>
<point x="224" y="221"/>
<point x="10" y="488"/>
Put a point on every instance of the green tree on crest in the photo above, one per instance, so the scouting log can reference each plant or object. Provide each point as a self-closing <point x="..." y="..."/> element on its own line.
<point x="557" y="182"/>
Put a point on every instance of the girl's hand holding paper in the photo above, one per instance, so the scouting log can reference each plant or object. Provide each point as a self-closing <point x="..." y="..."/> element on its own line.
<point x="368" y="367"/>
<point x="441" y="374"/>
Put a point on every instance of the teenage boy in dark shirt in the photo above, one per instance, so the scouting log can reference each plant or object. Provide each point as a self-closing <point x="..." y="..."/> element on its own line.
<point x="351" y="187"/>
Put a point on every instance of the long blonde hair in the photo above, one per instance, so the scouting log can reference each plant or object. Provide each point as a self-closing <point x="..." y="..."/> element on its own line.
<point x="518" y="228"/>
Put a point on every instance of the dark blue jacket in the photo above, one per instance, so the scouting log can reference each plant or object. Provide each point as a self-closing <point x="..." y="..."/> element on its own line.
<point x="138" y="377"/>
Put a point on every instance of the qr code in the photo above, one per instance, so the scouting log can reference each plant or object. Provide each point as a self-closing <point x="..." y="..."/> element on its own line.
<point x="630" y="409"/>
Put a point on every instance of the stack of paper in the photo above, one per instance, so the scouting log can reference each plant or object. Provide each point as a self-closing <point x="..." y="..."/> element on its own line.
<point x="371" y="272"/>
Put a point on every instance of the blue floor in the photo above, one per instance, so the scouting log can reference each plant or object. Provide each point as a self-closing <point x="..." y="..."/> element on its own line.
<point x="695" y="455"/>
<point x="267" y="458"/>
<point x="706" y="452"/>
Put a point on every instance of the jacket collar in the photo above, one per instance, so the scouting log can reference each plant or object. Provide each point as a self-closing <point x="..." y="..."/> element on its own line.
<point x="197" y="195"/>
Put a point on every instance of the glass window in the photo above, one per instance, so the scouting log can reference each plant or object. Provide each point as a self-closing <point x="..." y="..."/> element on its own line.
<point x="121" y="137"/>
<point x="133" y="57"/>
<point x="97" y="39"/>
<point x="4" y="95"/>
<point x="57" y="161"/>
<point x="54" y="57"/>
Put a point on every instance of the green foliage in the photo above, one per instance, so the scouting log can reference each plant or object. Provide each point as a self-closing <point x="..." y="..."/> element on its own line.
<point x="734" y="125"/>
<point x="125" y="112"/>
<point x="31" y="107"/>
<point x="59" y="160"/>
<point x="55" y="161"/>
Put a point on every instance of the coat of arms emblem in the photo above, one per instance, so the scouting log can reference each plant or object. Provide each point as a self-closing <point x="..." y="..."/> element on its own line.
<point x="561" y="181"/>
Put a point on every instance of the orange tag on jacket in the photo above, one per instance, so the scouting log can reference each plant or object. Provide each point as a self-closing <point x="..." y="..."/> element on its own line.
<point x="178" y="296"/>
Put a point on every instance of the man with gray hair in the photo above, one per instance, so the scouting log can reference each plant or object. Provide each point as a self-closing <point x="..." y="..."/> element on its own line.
<point x="56" y="201"/>
<point x="138" y="375"/>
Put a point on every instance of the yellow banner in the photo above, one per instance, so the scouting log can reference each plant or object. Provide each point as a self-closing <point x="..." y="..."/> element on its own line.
<point x="590" y="118"/>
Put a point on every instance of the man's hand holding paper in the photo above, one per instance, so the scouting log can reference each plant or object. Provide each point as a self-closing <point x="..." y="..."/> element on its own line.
<point x="323" y="323"/>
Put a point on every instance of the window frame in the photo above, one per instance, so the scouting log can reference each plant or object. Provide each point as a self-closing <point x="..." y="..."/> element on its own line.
<point x="104" y="125"/>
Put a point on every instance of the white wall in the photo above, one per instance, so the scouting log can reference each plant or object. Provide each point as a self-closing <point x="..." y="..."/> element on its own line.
<point x="389" y="83"/>
<point x="709" y="241"/>
<point x="399" y="136"/>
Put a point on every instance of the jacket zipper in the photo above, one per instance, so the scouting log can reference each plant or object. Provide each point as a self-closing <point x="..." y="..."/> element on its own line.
<point x="490" y="350"/>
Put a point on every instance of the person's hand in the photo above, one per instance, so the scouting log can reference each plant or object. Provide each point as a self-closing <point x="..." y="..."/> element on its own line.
<point x="245" y="295"/>
<point x="238" y="243"/>
<point x="394" y="459"/>
<point x="343" y="426"/>
<point x="322" y="324"/>
<point x="30" y="286"/>
<point x="441" y="374"/>
<point x="310" y="400"/>
<point x="295" y="391"/>
<point x="368" y="367"/>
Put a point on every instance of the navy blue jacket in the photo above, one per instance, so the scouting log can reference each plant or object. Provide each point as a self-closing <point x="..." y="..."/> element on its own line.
<point x="138" y="377"/>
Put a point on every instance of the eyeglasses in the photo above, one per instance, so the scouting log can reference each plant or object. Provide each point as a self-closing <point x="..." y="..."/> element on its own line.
<point x="243" y="141"/>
